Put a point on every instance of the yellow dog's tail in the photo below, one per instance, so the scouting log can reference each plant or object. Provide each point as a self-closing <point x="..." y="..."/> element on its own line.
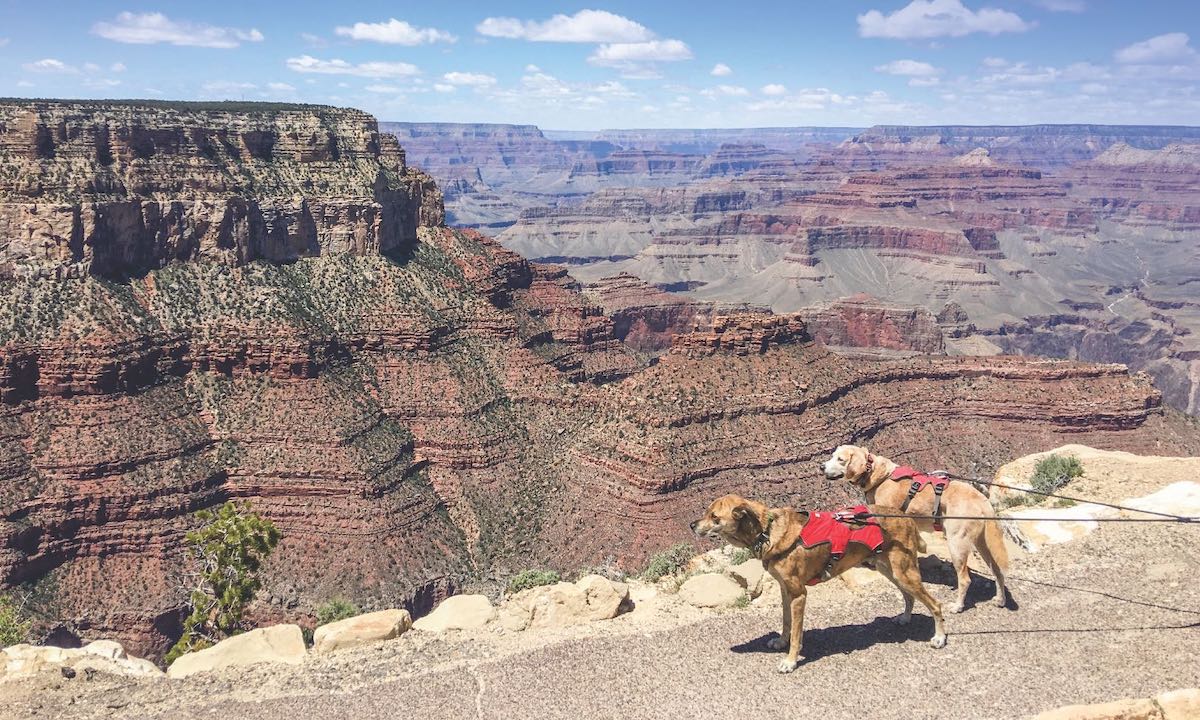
<point x="993" y="540"/>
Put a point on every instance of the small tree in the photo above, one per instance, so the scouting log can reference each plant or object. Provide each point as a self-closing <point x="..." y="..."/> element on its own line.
<point x="1054" y="471"/>
<point x="229" y="549"/>
<point x="14" y="626"/>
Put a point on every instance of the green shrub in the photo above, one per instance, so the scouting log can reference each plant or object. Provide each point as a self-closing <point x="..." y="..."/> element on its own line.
<point x="336" y="609"/>
<point x="668" y="562"/>
<point x="740" y="556"/>
<point x="14" y="626"/>
<point x="531" y="579"/>
<point x="1054" y="471"/>
<point x="228" y="551"/>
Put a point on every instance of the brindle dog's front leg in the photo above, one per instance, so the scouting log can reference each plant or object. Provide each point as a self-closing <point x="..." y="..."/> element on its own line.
<point x="781" y="642"/>
<point x="796" y="636"/>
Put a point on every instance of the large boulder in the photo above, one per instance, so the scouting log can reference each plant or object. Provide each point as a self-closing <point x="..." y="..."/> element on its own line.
<point x="749" y="575"/>
<point x="361" y="630"/>
<point x="459" y="612"/>
<point x="23" y="661"/>
<point x="712" y="590"/>
<point x="1140" y="709"/>
<point x="275" y="644"/>
<point x="1180" y="704"/>
<point x="591" y="598"/>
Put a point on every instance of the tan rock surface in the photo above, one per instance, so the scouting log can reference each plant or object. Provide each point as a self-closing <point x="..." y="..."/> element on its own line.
<point x="711" y="590"/>
<point x="275" y="644"/>
<point x="458" y="612"/>
<point x="361" y="630"/>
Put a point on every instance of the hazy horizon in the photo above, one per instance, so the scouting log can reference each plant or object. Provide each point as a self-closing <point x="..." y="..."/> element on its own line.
<point x="631" y="65"/>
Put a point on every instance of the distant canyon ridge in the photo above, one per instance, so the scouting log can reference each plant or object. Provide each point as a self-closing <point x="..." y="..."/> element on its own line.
<point x="1069" y="241"/>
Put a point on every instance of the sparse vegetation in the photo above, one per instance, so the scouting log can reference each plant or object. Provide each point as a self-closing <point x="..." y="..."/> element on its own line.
<point x="14" y="625"/>
<point x="1054" y="471"/>
<point x="740" y="556"/>
<point x="531" y="579"/>
<point x="668" y="562"/>
<point x="229" y="550"/>
<point x="336" y="609"/>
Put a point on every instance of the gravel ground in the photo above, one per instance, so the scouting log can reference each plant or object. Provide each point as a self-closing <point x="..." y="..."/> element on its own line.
<point x="1116" y="614"/>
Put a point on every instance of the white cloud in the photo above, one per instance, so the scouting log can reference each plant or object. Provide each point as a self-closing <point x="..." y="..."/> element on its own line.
<point x="470" y="79"/>
<point x="995" y="62"/>
<point x="91" y="67"/>
<point x="383" y="89"/>
<point x="585" y="26"/>
<point x="394" y="32"/>
<point x="1075" y="6"/>
<point x="729" y="90"/>
<point x="1161" y="49"/>
<point x="118" y="67"/>
<point x="924" y="81"/>
<point x="908" y="68"/>
<point x="25" y="84"/>
<point x="51" y="65"/>
<point x="721" y="70"/>
<point x="281" y="87"/>
<point x="443" y="88"/>
<point x="531" y="68"/>
<point x="3" y="41"/>
<point x="375" y="69"/>
<point x="923" y="19"/>
<point x="314" y="40"/>
<point x="773" y="89"/>
<point x="618" y="54"/>
<point x="151" y="28"/>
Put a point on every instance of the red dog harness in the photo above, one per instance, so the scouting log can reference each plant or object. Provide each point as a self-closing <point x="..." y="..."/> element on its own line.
<point x="839" y="529"/>
<point x="919" y="481"/>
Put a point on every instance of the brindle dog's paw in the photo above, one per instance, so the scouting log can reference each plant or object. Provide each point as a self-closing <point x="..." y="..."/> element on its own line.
<point x="777" y="643"/>
<point x="938" y="641"/>
<point x="954" y="607"/>
<point x="786" y="666"/>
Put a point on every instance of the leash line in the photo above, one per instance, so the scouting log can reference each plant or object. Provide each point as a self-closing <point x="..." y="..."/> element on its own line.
<point x="1171" y="519"/>
<point x="978" y="481"/>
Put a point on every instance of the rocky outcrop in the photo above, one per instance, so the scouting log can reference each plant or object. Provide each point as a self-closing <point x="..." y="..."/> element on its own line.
<point x="119" y="188"/>
<point x="361" y="630"/>
<point x="864" y="323"/>
<point x="562" y="604"/>
<point x="460" y="612"/>
<point x="416" y="413"/>
<point x="274" y="644"/>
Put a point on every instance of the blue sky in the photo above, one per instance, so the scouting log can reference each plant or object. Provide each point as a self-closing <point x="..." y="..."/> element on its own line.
<point x="629" y="64"/>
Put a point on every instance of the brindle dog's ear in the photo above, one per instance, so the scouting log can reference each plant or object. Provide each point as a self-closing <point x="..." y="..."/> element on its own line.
<point x="740" y="511"/>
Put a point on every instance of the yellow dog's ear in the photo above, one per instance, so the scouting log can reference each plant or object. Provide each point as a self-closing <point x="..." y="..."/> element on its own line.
<point x="858" y="463"/>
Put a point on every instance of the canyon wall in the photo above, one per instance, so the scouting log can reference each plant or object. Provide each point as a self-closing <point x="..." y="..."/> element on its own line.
<point x="116" y="189"/>
<point x="448" y="414"/>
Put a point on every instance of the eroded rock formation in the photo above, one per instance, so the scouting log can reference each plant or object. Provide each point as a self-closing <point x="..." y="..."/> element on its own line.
<point x="414" y="420"/>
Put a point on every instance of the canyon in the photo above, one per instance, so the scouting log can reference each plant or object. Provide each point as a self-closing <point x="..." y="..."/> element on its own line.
<point x="1068" y="241"/>
<point x="267" y="303"/>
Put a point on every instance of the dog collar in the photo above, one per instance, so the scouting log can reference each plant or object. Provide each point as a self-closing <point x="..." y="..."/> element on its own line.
<point x="764" y="537"/>
<point x="870" y="467"/>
